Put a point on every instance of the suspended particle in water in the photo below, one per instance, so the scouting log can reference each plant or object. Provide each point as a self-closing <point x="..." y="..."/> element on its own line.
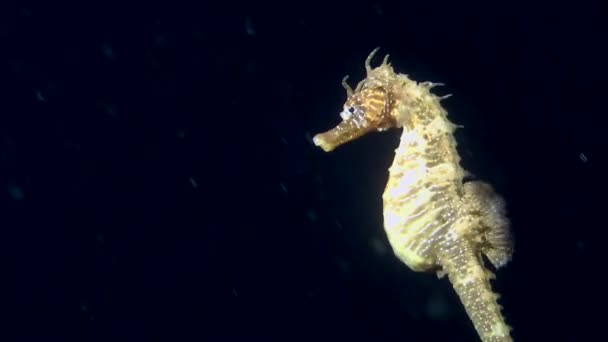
<point x="15" y="191"/>
<point x="248" y="27"/>
<point x="107" y="51"/>
<point x="39" y="96"/>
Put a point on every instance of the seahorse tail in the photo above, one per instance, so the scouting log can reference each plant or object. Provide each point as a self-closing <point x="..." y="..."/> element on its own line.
<point x="471" y="281"/>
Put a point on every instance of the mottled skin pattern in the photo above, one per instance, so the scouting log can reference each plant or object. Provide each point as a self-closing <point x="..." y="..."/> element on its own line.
<point x="434" y="220"/>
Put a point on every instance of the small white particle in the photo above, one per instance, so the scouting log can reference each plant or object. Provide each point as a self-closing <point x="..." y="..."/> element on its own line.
<point x="181" y="134"/>
<point x="234" y="292"/>
<point x="339" y="225"/>
<point x="343" y="265"/>
<point x="283" y="188"/>
<point x="437" y="307"/>
<point x="378" y="9"/>
<point x="39" y="96"/>
<point x="583" y="157"/>
<point x="193" y="182"/>
<point x="312" y="215"/>
<point x="15" y="192"/>
<point x="580" y="244"/>
<point x="283" y="140"/>
<point x="378" y="247"/>
<point x="248" y="27"/>
<point x="107" y="51"/>
<point x="111" y="110"/>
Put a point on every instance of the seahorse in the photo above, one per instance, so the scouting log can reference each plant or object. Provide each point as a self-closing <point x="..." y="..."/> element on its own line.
<point x="436" y="218"/>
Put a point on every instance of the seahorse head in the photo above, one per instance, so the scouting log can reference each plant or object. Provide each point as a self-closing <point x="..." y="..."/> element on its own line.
<point x="368" y="108"/>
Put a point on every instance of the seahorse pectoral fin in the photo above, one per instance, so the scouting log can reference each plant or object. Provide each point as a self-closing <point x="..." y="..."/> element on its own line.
<point x="471" y="281"/>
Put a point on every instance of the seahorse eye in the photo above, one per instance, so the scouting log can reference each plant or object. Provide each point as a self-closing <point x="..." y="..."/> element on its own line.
<point x="348" y="112"/>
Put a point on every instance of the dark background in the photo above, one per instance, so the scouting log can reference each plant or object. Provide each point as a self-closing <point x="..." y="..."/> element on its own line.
<point x="159" y="181"/>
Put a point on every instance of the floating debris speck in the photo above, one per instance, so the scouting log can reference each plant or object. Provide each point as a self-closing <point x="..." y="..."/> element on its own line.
<point x="15" y="191"/>
<point x="107" y="51"/>
<point x="339" y="225"/>
<point x="583" y="157"/>
<point x="39" y="96"/>
<point x="312" y="215"/>
<point x="248" y="27"/>
<point x="378" y="247"/>
<point x="437" y="307"/>
<point x="111" y="110"/>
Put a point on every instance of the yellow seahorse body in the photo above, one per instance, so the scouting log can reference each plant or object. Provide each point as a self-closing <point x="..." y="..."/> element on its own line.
<point x="434" y="221"/>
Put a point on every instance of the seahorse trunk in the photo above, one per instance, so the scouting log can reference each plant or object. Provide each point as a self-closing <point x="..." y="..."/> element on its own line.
<point x="472" y="284"/>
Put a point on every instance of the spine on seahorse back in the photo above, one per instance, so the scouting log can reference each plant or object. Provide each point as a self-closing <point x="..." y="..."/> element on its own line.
<point x="434" y="221"/>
